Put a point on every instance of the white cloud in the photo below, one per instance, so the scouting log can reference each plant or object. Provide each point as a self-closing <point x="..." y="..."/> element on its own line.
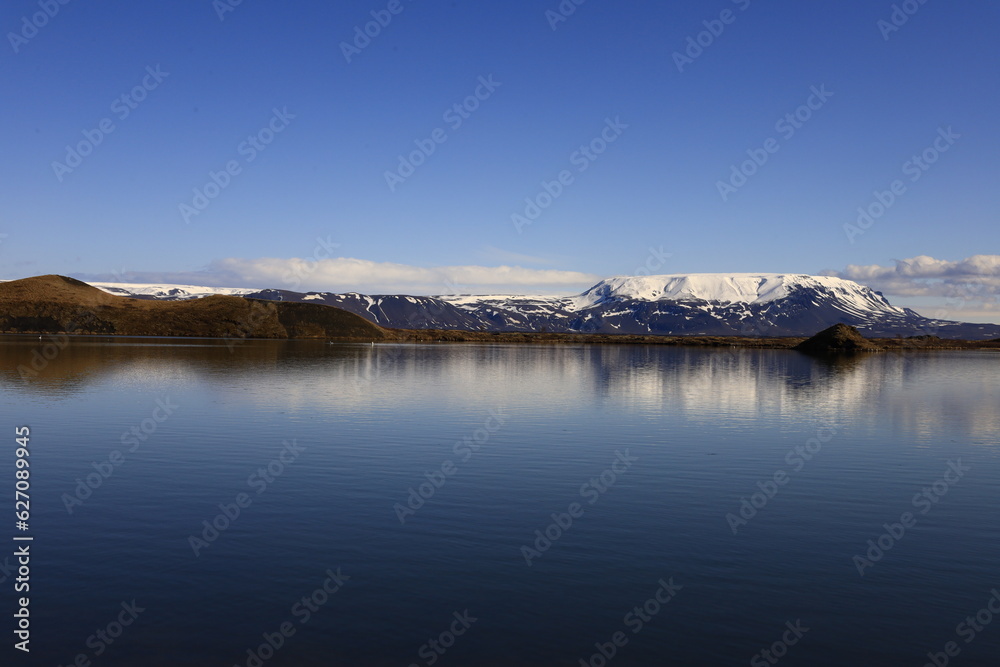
<point x="964" y="289"/>
<point x="345" y="274"/>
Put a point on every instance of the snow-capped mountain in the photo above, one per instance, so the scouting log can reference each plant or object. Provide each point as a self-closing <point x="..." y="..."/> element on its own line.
<point x="749" y="288"/>
<point x="744" y="304"/>
<point x="709" y="304"/>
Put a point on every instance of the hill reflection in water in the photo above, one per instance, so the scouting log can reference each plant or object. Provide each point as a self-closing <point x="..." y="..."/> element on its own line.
<point x="912" y="390"/>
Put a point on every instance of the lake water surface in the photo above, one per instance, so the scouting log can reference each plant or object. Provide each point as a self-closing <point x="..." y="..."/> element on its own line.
<point x="709" y="501"/>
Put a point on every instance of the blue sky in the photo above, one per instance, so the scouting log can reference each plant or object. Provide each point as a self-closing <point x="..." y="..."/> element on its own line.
<point x="314" y="204"/>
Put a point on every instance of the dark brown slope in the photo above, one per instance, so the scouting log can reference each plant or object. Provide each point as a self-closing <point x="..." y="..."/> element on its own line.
<point x="54" y="304"/>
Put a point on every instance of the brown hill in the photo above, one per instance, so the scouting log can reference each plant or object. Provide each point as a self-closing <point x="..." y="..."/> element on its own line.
<point x="53" y="289"/>
<point x="838" y="338"/>
<point x="55" y="304"/>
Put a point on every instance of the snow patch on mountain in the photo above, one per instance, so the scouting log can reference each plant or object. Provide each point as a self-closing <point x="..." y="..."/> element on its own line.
<point x="178" y="292"/>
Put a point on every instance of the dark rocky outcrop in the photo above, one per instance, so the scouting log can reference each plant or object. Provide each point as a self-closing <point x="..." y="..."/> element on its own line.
<point x="838" y="338"/>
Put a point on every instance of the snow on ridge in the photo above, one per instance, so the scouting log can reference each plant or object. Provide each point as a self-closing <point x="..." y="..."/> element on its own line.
<point x="724" y="289"/>
<point x="476" y="299"/>
<point x="751" y="288"/>
<point x="166" y="291"/>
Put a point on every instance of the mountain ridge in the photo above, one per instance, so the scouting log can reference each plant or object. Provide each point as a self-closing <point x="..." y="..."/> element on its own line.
<point x="710" y="304"/>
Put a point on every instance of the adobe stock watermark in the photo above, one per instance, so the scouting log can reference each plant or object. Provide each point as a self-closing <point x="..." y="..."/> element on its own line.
<point x="923" y="501"/>
<point x="464" y="449"/>
<point x="914" y="169"/>
<point x="899" y="17"/>
<point x="923" y="334"/>
<point x="30" y="25"/>
<point x="363" y="35"/>
<point x="302" y="611"/>
<point x="968" y="630"/>
<point x="786" y="126"/>
<point x="696" y="44"/>
<point x="635" y="620"/>
<point x="133" y="438"/>
<point x="654" y="262"/>
<point x="6" y="570"/>
<point x="436" y="647"/>
<point x="122" y="107"/>
<point x="797" y="457"/>
<point x="104" y="637"/>
<point x="562" y="12"/>
<point x="981" y="293"/>
<point x="223" y="7"/>
<point x="121" y="275"/>
<point x="304" y="268"/>
<point x="425" y="317"/>
<point x="259" y="480"/>
<point x="257" y="315"/>
<point x="563" y="521"/>
<point x="42" y="355"/>
<point x="455" y="116"/>
<point x="779" y="649"/>
<point x="248" y="149"/>
<point x="384" y="357"/>
<point x="582" y="158"/>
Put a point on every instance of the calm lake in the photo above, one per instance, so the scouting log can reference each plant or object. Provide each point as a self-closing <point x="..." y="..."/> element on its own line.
<point x="296" y="503"/>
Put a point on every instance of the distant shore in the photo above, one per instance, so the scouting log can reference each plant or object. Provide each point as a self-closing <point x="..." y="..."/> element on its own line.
<point x="423" y="336"/>
<point x="776" y="343"/>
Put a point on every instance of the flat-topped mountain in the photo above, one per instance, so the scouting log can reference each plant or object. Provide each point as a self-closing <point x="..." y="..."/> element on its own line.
<point x="749" y="288"/>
